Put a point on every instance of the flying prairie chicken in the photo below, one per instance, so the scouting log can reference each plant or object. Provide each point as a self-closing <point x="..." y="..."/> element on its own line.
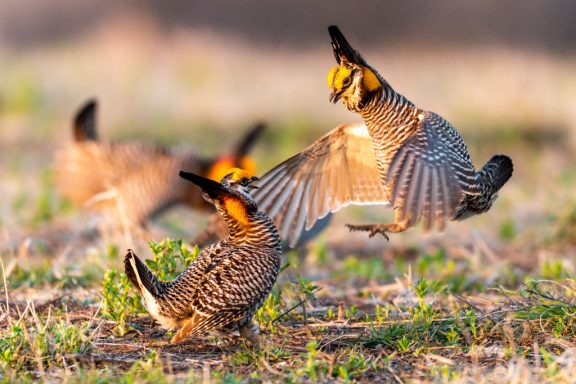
<point x="135" y="181"/>
<point x="404" y="156"/>
<point x="229" y="280"/>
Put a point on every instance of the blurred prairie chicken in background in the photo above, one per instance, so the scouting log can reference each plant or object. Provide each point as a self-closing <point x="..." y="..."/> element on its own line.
<point x="135" y="181"/>
<point x="229" y="280"/>
<point x="404" y="156"/>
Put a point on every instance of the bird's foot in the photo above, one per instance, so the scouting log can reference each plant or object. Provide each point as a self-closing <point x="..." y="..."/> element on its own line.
<point x="251" y="334"/>
<point x="373" y="229"/>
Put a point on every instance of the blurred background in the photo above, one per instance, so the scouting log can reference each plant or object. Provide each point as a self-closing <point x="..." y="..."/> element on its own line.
<point x="196" y="73"/>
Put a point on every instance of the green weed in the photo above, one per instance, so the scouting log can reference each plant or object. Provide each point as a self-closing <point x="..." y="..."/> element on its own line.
<point x="41" y="343"/>
<point x="170" y="259"/>
<point x="365" y="268"/>
<point x="312" y="364"/>
<point x="508" y="230"/>
<point x="120" y="300"/>
<point x="352" y="362"/>
<point x="48" y="204"/>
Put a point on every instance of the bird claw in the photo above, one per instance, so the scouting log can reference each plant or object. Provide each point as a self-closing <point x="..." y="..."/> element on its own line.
<point x="373" y="229"/>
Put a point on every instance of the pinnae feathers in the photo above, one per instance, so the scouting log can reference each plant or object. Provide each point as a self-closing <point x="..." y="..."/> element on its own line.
<point x="244" y="146"/>
<point x="343" y="49"/>
<point x="210" y="187"/>
<point x="85" y="122"/>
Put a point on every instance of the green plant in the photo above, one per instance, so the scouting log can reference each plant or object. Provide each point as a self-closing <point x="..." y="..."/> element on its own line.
<point x="354" y="363"/>
<point x="508" y="230"/>
<point x="47" y="204"/>
<point x="171" y="257"/>
<point x="424" y="310"/>
<point x="405" y="344"/>
<point x="120" y="300"/>
<point x="312" y="365"/>
<point x="364" y="268"/>
<point x="42" y="343"/>
<point x="11" y="345"/>
<point x="271" y="309"/>
<point x="382" y="313"/>
<point x="351" y="312"/>
<point x="70" y="338"/>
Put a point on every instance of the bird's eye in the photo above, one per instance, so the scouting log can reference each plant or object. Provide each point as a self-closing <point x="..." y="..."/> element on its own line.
<point x="244" y="181"/>
<point x="347" y="81"/>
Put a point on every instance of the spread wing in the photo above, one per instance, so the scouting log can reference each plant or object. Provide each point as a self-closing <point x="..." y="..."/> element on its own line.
<point x="430" y="173"/>
<point x="337" y="170"/>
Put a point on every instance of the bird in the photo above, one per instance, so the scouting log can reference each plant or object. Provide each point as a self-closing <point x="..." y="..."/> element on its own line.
<point x="134" y="181"/>
<point x="229" y="280"/>
<point x="402" y="156"/>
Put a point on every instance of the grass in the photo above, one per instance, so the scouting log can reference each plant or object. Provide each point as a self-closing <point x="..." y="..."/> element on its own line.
<point x="424" y="330"/>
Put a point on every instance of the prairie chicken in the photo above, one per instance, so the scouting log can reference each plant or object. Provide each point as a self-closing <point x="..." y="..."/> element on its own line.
<point x="404" y="156"/>
<point x="135" y="181"/>
<point x="229" y="280"/>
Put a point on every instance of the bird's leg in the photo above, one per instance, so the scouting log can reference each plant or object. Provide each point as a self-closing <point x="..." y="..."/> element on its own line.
<point x="382" y="229"/>
<point x="250" y="333"/>
<point x="188" y="325"/>
<point x="182" y="332"/>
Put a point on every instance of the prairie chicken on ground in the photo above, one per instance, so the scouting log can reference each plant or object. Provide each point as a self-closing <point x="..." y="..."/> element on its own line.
<point x="134" y="181"/>
<point x="404" y="156"/>
<point x="229" y="280"/>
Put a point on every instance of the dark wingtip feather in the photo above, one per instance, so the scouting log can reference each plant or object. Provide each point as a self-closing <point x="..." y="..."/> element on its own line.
<point x="85" y="122"/>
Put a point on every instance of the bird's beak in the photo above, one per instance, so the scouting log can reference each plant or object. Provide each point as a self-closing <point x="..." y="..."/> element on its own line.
<point x="334" y="96"/>
<point x="251" y="186"/>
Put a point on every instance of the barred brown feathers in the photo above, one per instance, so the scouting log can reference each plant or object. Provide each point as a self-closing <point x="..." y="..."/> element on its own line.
<point x="229" y="280"/>
<point x="134" y="181"/>
<point x="404" y="156"/>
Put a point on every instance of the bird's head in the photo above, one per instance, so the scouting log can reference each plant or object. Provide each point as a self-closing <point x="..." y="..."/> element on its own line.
<point x="231" y="195"/>
<point x="239" y="157"/>
<point x="224" y="163"/>
<point x="353" y="81"/>
<point x="240" y="180"/>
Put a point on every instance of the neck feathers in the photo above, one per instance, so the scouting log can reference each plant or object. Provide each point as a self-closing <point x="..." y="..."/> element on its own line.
<point x="389" y="110"/>
<point x="248" y="225"/>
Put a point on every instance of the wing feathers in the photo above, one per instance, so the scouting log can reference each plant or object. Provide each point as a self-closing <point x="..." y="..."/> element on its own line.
<point x="426" y="177"/>
<point x="337" y="170"/>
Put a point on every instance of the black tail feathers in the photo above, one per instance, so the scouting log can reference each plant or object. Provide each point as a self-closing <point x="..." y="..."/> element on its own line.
<point x="85" y="122"/>
<point x="137" y="272"/>
<point x="499" y="169"/>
